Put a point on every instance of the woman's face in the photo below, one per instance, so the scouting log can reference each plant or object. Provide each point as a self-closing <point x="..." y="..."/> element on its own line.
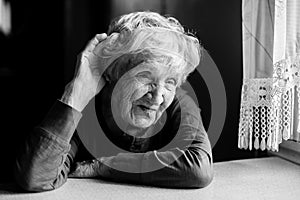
<point x="143" y="93"/>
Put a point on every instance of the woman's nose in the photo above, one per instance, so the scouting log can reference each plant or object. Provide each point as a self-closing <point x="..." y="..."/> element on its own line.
<point x="156" y="96"/>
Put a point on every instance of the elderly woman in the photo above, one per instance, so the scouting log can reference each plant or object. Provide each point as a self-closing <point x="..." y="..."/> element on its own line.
<point x="136" y="72"/>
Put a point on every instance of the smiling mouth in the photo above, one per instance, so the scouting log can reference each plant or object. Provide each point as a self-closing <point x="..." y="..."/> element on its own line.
<point x="145" y="108"/>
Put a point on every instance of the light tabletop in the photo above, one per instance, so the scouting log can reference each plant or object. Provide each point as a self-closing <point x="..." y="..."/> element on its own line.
<point x="263" y="178"/>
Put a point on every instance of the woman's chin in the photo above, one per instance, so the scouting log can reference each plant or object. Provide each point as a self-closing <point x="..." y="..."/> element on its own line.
<point x="141" y="119"/>
<point x="140" y="122"/>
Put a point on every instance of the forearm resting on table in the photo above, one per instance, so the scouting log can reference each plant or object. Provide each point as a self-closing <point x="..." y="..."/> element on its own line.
<point x="177" y="168"/>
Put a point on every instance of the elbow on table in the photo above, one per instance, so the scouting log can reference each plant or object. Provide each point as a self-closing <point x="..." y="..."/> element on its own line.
<point x="31" y="181"/>
<point x="30" y="186"/>
<point x="200" y="178"/>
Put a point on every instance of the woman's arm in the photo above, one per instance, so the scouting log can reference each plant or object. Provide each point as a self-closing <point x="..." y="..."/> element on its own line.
<point x="46" y="157"/>
<point x="44" y="160"/>
<point x="181" y="168"/>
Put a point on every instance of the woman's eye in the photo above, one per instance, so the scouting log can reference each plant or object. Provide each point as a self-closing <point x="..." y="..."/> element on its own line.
<point x="143" y="76"/>
<point x="171" y="84"/>
<point x="171" y="81"/>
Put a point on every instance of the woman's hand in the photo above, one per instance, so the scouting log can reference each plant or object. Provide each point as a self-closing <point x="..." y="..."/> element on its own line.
<point x="92" y="168"/>
<point x="87" y="81"/>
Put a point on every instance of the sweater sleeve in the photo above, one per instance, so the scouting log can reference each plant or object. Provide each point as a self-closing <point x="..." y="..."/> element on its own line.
<point x="44" y="160"/>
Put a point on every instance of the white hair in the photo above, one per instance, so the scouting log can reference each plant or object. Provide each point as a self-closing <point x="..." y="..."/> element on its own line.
<point x="149" y="37"/>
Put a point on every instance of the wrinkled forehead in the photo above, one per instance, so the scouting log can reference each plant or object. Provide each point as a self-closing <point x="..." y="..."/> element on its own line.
<point x="183" y="49"/>
<point x="146" y="60"/>
<point x="161" y="62"/>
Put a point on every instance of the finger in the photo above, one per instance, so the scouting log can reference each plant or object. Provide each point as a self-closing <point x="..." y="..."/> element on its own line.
<point x="109" y="41"/>
<point x="86" y="169"/>
<point x="96" y="40"/>
<point x="101" y="37"/>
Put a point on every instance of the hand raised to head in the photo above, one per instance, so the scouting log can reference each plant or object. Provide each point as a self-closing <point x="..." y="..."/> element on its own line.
<point x="88" y="68"/>
<point x="88" y="80"/>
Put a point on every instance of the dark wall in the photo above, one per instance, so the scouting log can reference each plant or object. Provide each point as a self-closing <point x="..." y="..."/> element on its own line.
<point x="82" y="21"/>
<point x="31" y="78"/>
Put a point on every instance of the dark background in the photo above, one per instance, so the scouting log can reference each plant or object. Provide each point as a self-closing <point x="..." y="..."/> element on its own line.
<point x="37" y="60"/>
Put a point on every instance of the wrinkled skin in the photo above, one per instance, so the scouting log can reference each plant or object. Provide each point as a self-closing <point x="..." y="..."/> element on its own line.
<point x="142" y="95"/>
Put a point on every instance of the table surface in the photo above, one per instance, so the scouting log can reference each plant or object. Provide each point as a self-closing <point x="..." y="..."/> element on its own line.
<point x="263" y="178"/>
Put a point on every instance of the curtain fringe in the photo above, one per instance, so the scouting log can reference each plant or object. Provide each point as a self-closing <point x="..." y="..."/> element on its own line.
<point x="267" y="107"/>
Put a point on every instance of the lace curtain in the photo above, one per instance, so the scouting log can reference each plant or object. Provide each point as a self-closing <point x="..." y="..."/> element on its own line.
<point x="270" y="98"/>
